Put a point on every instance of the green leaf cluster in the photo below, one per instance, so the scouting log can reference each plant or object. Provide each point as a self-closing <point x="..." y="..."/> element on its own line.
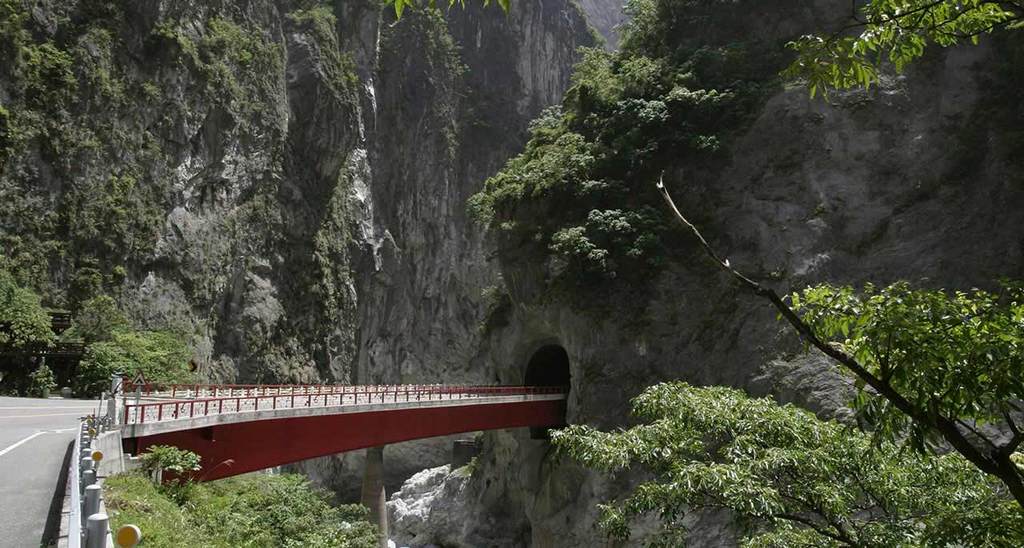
<point x="256" y="510"/>
<point x="170" y="458"/>
<point x="789" y="478"/>
<point x="895" y="32"/>
<point x="956" y="354"/>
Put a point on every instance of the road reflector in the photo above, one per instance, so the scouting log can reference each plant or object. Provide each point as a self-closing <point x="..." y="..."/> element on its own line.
<point x="97" y="455"/>
<point x="128" y="536"/>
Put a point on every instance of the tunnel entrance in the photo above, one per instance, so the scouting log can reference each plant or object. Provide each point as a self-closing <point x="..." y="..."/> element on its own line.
<point x="549" y="366"/>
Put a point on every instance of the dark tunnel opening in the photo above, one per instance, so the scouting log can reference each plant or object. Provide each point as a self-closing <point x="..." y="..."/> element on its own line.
<point x="549" y="366"/>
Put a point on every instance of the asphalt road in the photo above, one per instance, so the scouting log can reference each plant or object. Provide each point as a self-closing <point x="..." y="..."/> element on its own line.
<point x="35" y="441"/>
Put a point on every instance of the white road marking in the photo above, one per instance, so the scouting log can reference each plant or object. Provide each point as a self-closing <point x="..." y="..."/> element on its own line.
<point x="48" y="407"/>
<point x="44" y="415"/>
<point x="15" y="446"/>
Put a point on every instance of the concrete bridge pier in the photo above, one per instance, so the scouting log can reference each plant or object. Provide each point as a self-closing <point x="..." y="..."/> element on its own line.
<point x="373" y="496"/>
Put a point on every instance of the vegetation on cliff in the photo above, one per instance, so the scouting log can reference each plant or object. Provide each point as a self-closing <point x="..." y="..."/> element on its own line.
<point x="580" y="193"/>
<point x="85" y="183"/>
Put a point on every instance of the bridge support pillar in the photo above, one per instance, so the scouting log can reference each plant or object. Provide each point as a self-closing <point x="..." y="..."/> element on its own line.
<point x="373" y="496"/>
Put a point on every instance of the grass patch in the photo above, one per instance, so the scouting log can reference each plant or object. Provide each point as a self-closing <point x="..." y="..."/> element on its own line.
<point x="255" y="510"/>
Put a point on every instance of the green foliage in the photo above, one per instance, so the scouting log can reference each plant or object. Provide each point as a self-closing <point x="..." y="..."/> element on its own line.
<point x="23" y="320"/>
<point x="251" y="511"/>
<point x="233" y="60"/>
<point x="581" y="192"/>
<point x="401" y="5"/>
<point x="161" y="356"/>
<point x="96" y="320"/>
<point x="47" y="74"/>
<point x="41" y="382"/>
<point x="789" y="478"/>
<point x="169" y="458"/>
<point x="954" y="354"/>
<point x="895" y="31"/>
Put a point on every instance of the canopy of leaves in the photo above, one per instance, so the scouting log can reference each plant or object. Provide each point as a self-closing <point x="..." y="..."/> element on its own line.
<point x="256" y="510"/>
<point x="956" y="354"/>
<point x="23" y="320"/>
<point x="97" y="320"/>
<point x="161" y="356"/>
<point x="580" y="192"/>
<point x="790" y="478"/>
<point x="895" y="31"/>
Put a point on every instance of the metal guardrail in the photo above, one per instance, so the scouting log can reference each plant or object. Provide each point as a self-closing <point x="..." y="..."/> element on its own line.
<point x="337" y="396"/>
<point x="87" y="526"/>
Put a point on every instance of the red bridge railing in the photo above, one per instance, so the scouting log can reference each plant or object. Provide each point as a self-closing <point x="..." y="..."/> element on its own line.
<point x="252" y="398"/>
<point x="195" y="390"/>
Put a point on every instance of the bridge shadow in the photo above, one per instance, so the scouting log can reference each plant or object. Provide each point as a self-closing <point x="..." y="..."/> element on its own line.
<point x="548" y="366"/>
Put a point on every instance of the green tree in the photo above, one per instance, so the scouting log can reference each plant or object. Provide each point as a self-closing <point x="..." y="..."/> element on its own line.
<point x="947" y="364"/>
<point x="895" y="31"/>
<point x="789" y="478"/>
<point x="41" y="382"/>
<point x="23" y="320"/>
<point x="97" y="320"/>
<point x="161" y="356"/>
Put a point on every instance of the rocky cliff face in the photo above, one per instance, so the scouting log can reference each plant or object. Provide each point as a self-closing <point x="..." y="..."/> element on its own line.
<point x="283" y="182"/>
<point x="444" y="118"/>
<point x="917" y="180"/>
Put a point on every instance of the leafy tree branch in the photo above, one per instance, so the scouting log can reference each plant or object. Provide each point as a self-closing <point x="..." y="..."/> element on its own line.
<point x="896" y="31"/>
<point x="951" y="364"/>
<point x="788" y="477"/>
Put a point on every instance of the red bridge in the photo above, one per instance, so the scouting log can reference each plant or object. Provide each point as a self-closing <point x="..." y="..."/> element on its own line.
<point x="242" y="428"/>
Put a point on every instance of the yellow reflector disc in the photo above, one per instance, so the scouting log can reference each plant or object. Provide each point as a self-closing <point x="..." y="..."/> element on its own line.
<point x="128" y="536"/>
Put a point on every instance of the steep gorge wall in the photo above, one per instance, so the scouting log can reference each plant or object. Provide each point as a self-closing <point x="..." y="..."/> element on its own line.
<point x="283" y="182"/>
<point x="445" y="118"/>
<point x="919" y="179"/>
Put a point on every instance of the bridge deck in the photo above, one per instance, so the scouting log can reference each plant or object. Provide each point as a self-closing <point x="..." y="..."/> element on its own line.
<point x="236" y="434"/>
